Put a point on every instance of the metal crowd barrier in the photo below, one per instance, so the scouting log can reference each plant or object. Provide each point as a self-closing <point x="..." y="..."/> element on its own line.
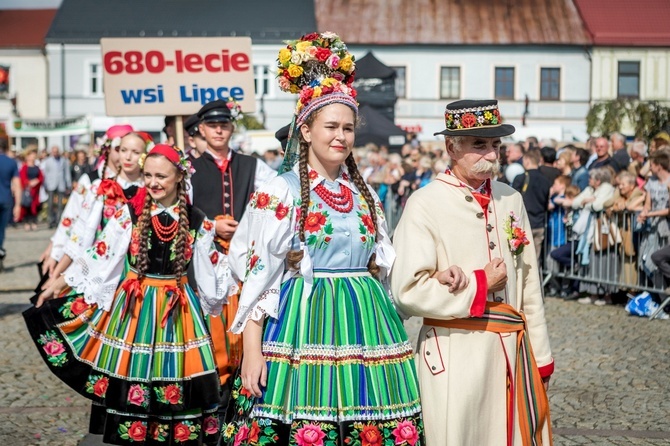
<point x="609" y="250"/>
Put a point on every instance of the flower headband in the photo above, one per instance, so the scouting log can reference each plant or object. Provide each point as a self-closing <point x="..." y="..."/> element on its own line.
<point x="316" y="65"/>
<point x="320" y="68"/>
<point x="175" y="155"/>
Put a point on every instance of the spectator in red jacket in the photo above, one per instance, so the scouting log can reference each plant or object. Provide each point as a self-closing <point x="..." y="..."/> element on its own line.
<point x="31" y="180"/>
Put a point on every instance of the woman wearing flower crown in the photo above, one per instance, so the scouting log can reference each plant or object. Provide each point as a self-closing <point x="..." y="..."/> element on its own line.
<point x="326" y="358"/>
<point x="144" y="352"/>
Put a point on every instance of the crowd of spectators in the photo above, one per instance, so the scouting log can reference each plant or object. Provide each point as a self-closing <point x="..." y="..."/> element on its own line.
<point x="599" y="209"/>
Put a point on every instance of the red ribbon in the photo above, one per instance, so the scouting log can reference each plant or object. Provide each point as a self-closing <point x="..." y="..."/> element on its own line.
<point x="137" y="202"/>
<point x="483" y="199"/>
<point x="222" y="164"/>
<point x="133" y="289"/>
<point x="177" y="296"/>
<point x="111" y="190"/>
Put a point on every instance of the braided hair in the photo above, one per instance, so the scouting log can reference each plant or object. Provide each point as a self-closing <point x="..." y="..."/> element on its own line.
<point x="144" y="225"/>
<point x="294" y="257"/>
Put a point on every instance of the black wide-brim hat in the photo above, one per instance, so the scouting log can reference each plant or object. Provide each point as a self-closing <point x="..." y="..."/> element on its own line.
<point x="191" y="125"/>
<point x="282" y="135"/>
<point x="215" y="111"/>
<point x="475" y="118"/>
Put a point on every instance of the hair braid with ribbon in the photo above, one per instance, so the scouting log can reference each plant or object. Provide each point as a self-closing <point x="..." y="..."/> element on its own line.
<point x="144" y="224"/>
<point x="369" y="199"/>
<point x="183" y="234"/>
<point x="294" y="257"/>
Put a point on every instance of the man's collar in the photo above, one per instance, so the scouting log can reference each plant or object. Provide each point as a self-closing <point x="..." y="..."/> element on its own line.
<point x="449" y="177"/>
<point x="216" y="156"/>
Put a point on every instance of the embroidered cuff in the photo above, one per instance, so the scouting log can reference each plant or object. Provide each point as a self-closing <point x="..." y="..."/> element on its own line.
<point x="479" y="302"/>
<point x="547" y="370"/>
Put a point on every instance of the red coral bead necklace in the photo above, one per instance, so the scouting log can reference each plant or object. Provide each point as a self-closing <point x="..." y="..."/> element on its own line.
<point x="342" y="202"/>
<point x="164" y="233"/>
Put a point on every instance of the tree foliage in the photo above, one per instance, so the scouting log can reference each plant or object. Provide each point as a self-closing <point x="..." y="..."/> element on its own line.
<point x="647" y="118"/>
<point x="250" y="122"/>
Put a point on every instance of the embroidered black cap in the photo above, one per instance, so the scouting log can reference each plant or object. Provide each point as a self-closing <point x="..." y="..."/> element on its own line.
<point x="475" y="118"/>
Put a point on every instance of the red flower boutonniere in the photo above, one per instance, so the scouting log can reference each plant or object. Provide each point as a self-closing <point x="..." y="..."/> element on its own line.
<point x="516" y="237"/>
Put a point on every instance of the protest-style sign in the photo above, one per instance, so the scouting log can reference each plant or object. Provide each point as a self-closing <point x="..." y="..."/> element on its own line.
<point x="175" y="76"/>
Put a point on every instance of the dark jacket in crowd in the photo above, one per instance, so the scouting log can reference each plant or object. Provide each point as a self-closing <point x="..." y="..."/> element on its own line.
<point x="534" y="188"/>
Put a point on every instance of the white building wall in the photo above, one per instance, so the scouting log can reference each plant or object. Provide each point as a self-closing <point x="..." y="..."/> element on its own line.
<point x="423" y="104"/>
<point x="563" y="119"/>
<point x="654" y="72"/>
<point x="27" y="80"/>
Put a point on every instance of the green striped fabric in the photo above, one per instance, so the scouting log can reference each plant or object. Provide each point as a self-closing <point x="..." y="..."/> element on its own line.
<point x="339" y="354"/>
<point x="156" y="352"/>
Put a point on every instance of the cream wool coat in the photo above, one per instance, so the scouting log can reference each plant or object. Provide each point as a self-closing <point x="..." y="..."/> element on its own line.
<point x="463" y="373"/>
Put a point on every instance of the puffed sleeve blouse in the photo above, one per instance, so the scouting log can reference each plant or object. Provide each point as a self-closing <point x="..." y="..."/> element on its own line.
<point x="334" y="241"/>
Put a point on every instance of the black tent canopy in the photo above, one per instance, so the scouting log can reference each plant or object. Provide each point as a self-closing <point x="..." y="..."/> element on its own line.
<point x="375" y="83"/>
<point x="378" y="129"/>
<point x="369" y="67"/>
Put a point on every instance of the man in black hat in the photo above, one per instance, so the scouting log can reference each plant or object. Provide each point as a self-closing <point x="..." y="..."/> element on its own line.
<point x="467" y="265"/>
<point x="224" y="180"/>
<point x="222" y="185"/>
<point x="195" y="142"/>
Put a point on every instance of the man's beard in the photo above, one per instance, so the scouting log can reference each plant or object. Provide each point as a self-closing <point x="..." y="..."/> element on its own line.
<point x="486" y="167"/>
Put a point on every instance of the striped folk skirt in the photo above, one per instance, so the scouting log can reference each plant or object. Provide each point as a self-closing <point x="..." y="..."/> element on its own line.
<point x="149" y="361"/>
<point x="340" y="371"/>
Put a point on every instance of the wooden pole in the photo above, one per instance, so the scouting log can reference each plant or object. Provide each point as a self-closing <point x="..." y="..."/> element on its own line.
<point x="179" y="130"/>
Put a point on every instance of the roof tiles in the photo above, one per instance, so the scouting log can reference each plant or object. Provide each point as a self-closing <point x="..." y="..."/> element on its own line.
<point x="453" y="22"/>
<point x="626" y="23"/>
<point x="24" y="28"/>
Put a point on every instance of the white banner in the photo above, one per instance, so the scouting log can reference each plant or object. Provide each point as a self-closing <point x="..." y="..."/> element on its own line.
<point x="175" y="76"/>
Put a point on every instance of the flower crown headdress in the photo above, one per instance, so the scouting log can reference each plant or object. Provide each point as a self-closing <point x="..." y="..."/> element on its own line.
<point x="175" y="155"/>
<point x="319" y="68"/>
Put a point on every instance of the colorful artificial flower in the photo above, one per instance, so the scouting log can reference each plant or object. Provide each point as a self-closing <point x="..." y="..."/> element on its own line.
<point x="315" y="65"/>
<point x="516" y="236"/>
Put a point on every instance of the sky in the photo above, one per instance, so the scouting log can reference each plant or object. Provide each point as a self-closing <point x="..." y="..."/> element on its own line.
<point x="29" y="4"/>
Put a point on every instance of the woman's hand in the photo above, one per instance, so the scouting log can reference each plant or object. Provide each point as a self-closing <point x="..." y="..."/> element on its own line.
<point x="51" y="291"/>
<point x="454" y="277"/>
<point x="254" y="372"/>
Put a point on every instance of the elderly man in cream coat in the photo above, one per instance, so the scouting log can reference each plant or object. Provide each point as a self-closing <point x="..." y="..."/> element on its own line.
<point x="466" y="265"/>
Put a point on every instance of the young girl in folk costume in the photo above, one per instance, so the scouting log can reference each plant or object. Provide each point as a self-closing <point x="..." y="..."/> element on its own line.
<point x="84" y="218"/>
<point x="145" y="352"/>
<point x="326" y="358"/>
<point x="79" y="202"/>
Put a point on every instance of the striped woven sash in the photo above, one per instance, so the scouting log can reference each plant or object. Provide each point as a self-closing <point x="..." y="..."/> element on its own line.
<point x="531" y="398"/>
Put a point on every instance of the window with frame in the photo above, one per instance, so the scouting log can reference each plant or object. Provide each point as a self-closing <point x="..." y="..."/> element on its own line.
<point x="504" y="83"/>
<point x="450" y="82"/>
<point x="550" y="84"/>
<point x="94" y="79"/>
<point x="628" y="81"/>
<point x="263" y="80"/>
<point x="400" y="81"/>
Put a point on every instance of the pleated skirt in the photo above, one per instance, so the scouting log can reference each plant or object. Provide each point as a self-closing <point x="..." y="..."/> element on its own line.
<point x="340" y="370"/>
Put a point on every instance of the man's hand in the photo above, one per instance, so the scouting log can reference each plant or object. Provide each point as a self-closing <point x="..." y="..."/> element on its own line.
<point x="225" y="228"/>
<point x="454" y="277"/>
<point x="17" y="212"/>
<point x="496" y="274"/>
